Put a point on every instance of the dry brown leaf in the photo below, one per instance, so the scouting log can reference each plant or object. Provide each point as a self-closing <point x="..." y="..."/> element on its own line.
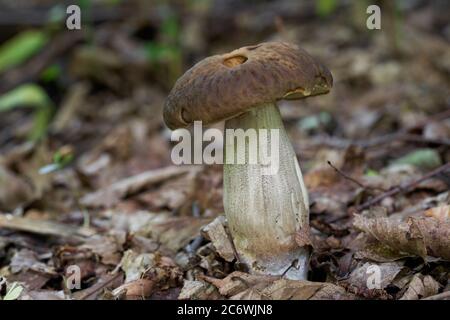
<point x="237" y="282"/>
<point x="14" y="191"/>
<point x="43" y="227"/>
<point x="240" y="285"/>
<point x="108" y="247"/>
<point x="284" y="289"/>
<point x="176" y="194"/>
<point x="161" y="270"/>
<point x="198" y="290"/>
<point x="140" y="288"/>
<point x="112" y="194"/>
<point x="374" y="276"/>
<point x="419" y="236"/>
<point x="215" y="231"/>
<point x="421" y="287"/>
<point x="173" y="233"/>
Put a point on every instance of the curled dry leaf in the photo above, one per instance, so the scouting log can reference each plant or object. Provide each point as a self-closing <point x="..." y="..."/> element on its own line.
<point x="419" y="236"/>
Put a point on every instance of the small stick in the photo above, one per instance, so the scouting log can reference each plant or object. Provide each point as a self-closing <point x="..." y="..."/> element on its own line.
<point x="404" y="188"/>
<point x="360" y="184"/>
<point x="346" y="176"/>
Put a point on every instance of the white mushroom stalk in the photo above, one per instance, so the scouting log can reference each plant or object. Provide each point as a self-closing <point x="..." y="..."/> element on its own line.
<point x="264" y="211"/>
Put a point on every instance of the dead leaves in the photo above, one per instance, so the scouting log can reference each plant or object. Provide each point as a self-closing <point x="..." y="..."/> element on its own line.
<point x="146" y="273"/>
<point x="421" y="287"/>
<point x="418" y="236"/>
<point x="374" y="276"/>
<point x="239" y="285"/>
<point x="217" y="234"/>
<point x="14" y="191"/>
<point x="112" y="194"/>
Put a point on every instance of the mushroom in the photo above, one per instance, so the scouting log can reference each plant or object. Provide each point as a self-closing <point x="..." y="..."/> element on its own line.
<point x="264" y="211"/>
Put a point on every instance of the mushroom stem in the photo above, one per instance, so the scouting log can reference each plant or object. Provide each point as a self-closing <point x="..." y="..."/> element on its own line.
<point x="264" y="211"/>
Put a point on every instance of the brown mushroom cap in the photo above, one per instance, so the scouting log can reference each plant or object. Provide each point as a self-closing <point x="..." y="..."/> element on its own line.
<point x="223" y="86"/>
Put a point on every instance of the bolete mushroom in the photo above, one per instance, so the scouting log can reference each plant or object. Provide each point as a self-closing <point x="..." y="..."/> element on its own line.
<point x="263" y="211"/>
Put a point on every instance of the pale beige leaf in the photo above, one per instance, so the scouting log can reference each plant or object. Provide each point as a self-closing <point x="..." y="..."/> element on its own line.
<point x="419" y="236"/>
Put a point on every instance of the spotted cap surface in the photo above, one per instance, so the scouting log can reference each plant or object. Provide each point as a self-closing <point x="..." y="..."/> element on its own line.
<point x="224" y="86"/>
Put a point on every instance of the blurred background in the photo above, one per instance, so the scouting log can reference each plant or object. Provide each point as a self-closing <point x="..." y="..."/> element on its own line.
<point x="82" y="109"/>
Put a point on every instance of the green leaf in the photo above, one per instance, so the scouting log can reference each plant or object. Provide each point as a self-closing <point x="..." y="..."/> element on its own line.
<point x="30" y="95"/>
<point x="21" y="47"/>
<point x="27" y="95"/>
<point x="372" y="173"/>
<point x="51" y="73"/>
<point x="14" y="292"/>
<point x="159" y="52"/>
<point x="170" y="28"/>
<point x="323" y="119"/>
<point x="325" y="7"/>
<point x="421" y="158"/>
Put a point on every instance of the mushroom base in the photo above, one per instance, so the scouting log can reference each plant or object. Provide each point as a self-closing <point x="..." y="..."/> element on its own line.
<point x="264" y="211"/>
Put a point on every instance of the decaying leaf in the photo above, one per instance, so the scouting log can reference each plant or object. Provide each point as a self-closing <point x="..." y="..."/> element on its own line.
<point x="112" y="194"/>
<point x="285" y="289"/>
<point x="43" y="227"/>
<point x="108" y="247"/>
<point x="161" y="270"/>
<point x="374" y="276"/>
<point x="25" y="260"/>
<point x="421" y="287"/>
<point x="14" y="191"/>
<point x="198" y="290"/>
<point x="419" y="236"/>
<point x="380" y="252"/>
<point x="172" y="232"/>
<point x="237" y="282"/>
<point x="140" y="288"/>
<point x="239" y="285"/>
<point x="215" y="231"/>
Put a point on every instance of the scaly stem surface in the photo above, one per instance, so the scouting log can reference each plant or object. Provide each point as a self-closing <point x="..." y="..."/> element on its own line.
<point x="264" y="210"/>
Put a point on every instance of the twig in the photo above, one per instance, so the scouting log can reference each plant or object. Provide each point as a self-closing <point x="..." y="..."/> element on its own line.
<point x="103" y="283"/>
<point x="346" y="176"/>
<point x="404" y="188"/>
<point x="421" y="139"/>
<point x="401" y="135"/>
<point x="360" y="184"/>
